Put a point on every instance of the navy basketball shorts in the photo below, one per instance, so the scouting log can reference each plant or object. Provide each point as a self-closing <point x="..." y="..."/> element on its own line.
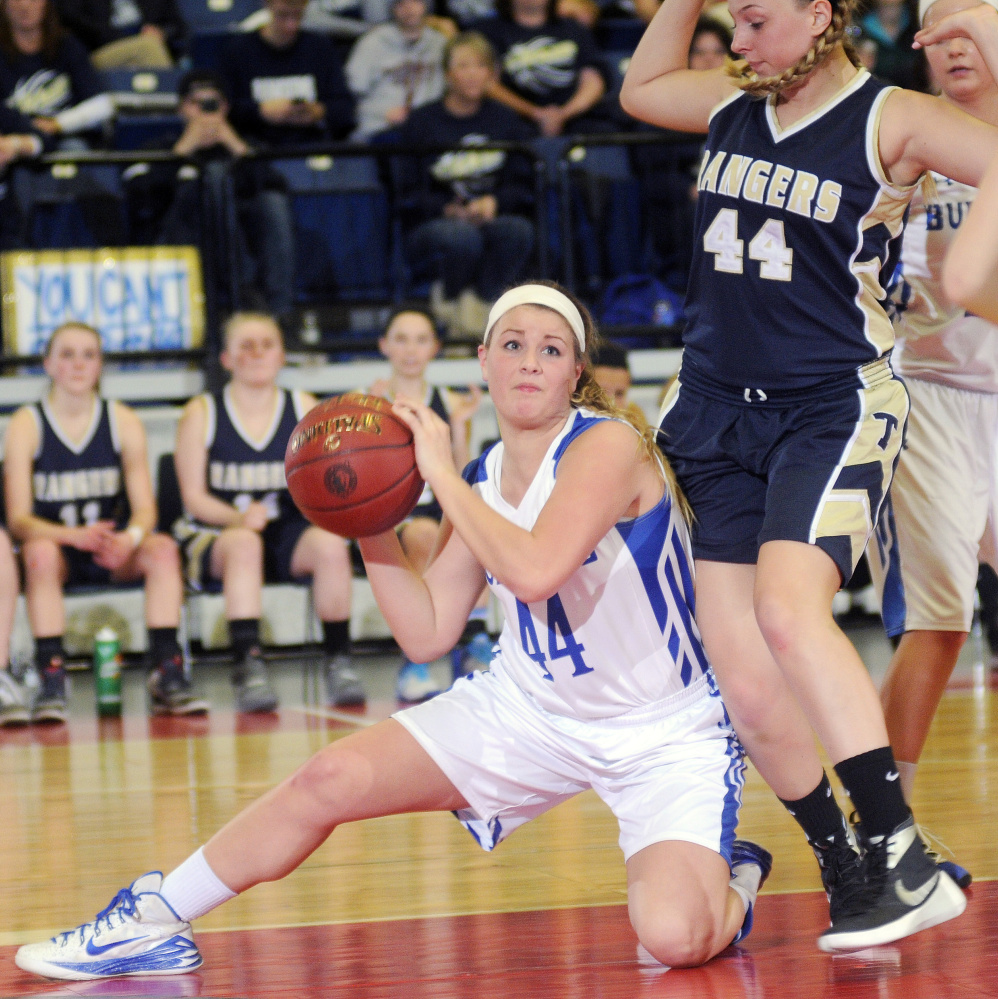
<point x="815" y="471"/>
<point x="280" y="538"/>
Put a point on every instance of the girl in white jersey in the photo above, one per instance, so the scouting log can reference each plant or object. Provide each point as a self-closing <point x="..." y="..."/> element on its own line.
<point x="599" y="681"/>
<point x="940" y="517"/>
<point x="800" y="203"/>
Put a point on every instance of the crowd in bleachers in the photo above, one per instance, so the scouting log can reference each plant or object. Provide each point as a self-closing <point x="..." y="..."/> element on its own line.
<point x="212" y="81"/>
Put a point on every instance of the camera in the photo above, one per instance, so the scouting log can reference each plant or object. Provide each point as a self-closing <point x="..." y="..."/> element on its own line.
<point x="209" y="104"/>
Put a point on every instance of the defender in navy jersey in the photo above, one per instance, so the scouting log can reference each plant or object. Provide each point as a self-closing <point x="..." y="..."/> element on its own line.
<point x="410" y="342"/>
<point x="600" y="680"/>
<point x="240" y="525"/>
<point x="786" y="420"/>
<point x="80" y="501"/>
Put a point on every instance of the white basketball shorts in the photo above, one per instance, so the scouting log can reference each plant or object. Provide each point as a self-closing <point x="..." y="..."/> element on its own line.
<point x="672" y="770"/>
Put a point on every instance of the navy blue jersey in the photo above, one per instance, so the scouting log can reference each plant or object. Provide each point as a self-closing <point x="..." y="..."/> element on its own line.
<point x="797" y="234"/>
<point x="241" y="470"/>
<point x="77" y="484"/>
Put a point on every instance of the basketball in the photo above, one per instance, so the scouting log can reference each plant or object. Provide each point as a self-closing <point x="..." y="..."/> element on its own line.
<point x="351" y="466"/>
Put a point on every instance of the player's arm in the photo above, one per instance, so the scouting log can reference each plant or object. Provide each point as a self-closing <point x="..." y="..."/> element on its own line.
<point x="578" y="514"/>
<point x="135" y="468"/>
<point x="20" y="446"/>
<point x="970" y="271"/>
<point x="461" y="407"/>
<point x="920" y="133"/>
<point x="191" y="460"/>
<point x="659" y="87"/>
<point x="426" y="614"/>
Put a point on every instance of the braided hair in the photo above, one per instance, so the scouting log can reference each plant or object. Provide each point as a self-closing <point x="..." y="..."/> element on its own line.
<point x="836" y="33"/>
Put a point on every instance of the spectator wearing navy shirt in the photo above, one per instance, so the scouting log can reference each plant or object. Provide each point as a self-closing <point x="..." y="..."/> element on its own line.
<point x="45" y="73"/>
<point x="287" y="85"/>
<point x="466" y="211"/>
<point x="551" y="68"/>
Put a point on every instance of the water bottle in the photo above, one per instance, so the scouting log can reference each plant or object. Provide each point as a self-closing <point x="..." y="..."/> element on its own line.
<point x="107" y="669"/>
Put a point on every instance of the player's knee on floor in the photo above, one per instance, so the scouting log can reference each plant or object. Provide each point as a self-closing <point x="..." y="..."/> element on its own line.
<point x="677" y="939"/>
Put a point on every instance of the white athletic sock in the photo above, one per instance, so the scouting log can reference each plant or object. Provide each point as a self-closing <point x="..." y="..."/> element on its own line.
<point x="745" y="881"/>
<point x="907" y="772"/>
<point x="193" y="888"/>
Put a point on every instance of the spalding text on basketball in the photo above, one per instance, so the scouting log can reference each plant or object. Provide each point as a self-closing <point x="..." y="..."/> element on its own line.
<point x="368" y="423"/>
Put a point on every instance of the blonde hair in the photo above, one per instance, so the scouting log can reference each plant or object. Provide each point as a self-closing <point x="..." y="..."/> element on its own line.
<point x="835" y="34"/>
<point x="589" y="394"/>
<point x="238" y="318"/>
<point x="475" y="41"/>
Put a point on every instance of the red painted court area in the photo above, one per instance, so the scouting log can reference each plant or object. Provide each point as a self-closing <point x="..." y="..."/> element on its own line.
<point x="585" y="953"/>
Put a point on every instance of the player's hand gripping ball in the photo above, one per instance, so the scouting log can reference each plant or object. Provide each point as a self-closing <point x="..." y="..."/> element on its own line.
<point x="351" y="466"/>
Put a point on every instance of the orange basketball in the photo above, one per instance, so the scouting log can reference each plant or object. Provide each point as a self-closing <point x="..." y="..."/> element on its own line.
<point x="351" y="466"/>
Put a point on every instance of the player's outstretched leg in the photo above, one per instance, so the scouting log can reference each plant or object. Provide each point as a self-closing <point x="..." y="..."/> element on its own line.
<point x="137" y="934"/>
<point x="905" y="892"/>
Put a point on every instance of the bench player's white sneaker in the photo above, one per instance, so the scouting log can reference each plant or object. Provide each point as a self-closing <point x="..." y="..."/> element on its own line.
<point x="137" y="934"/>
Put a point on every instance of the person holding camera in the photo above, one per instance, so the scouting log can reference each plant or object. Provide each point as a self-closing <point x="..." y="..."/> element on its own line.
<point x="166" y="198"/>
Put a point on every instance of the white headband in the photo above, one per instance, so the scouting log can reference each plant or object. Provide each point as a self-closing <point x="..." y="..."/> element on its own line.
<point x="924" y="5"/>
<point x="538" y="294"/>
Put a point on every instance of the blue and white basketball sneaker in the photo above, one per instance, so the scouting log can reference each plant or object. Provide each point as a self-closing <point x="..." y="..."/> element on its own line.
<point x="137" y="934"/>
<point x="750" y="866"/>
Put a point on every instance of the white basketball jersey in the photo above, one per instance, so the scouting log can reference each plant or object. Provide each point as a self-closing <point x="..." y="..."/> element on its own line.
<point x="938" y="341"/>
<point x="620" y="633"/>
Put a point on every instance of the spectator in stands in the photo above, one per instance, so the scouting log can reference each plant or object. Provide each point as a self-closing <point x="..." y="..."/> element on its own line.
<point x="241" y="526"/>
<point x="13" y="699"/>
<point x="166" y="200"/>
<point x="45" y="73"/>
<point x="394" y="68"/>
<point x="466" y="211"/>
<point x="126" y="33"/>
<point x="469" y="12"/>
<point x="80" y="501"/>
<point x="348" y="18"/>
<point x="892" y="24"/>
<point x="410" y="342"/>
<point x="551" y="69"/>
<point x="286" y="85"/>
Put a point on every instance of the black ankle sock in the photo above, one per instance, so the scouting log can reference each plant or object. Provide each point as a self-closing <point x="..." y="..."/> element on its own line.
<point x="874" y="785"/>
<point x="163" y="644"/>
<point x="818" y="813"/>
<point x="47" y="649"/>
<point x="245" y="635"/>
<point x="335" y="637"/>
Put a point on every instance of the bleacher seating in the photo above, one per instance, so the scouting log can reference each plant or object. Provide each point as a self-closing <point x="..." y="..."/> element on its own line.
<point x="342" y="227"/>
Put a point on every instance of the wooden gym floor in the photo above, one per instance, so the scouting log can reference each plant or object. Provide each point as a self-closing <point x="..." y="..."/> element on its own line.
<point x="411" y="907"/>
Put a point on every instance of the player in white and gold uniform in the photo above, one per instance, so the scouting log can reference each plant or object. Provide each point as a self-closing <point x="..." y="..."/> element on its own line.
<point x="940" y="518"/>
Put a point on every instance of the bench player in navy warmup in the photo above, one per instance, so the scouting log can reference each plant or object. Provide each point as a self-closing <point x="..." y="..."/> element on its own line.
<point x="786" y="421"/>
<point x="80" y="501"/>
<point x="241" y="526"/>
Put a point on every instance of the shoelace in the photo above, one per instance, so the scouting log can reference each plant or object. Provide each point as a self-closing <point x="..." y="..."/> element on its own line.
<point x="844" y="878"/>
<point x="123" y="904"/>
